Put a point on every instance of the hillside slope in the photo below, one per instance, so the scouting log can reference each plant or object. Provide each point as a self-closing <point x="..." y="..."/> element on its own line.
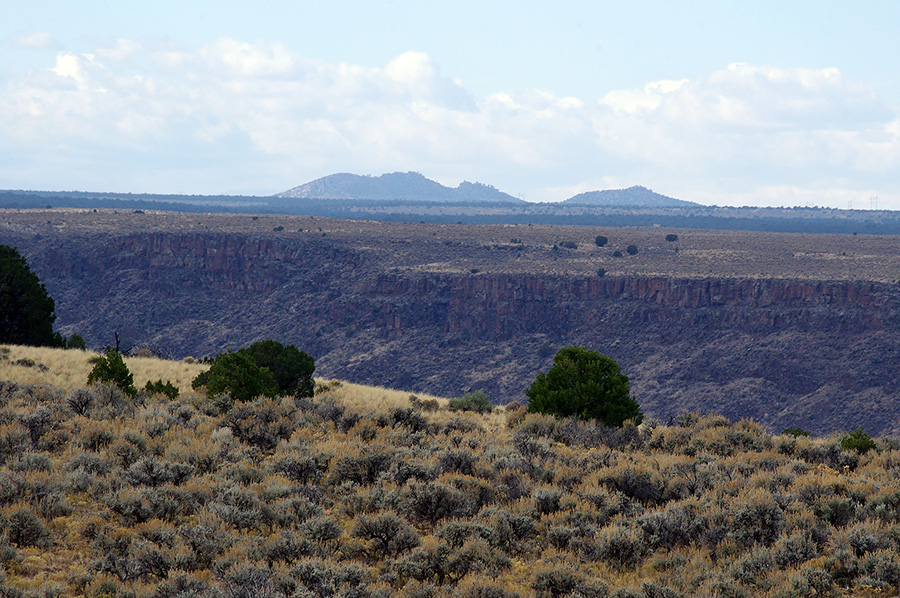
<point x="790" y="330"/>
<point x="632" y="196"/>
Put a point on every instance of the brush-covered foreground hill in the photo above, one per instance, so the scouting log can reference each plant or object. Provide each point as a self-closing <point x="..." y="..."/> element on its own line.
<point x="368" y="496"/>
<point x="789" y="329"/>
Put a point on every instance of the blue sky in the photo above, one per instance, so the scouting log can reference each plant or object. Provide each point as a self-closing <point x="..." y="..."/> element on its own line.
<point x="729" y="103"/>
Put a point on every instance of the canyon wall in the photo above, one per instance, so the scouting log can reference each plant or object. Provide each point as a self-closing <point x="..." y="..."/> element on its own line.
<point x="818" y="354"/>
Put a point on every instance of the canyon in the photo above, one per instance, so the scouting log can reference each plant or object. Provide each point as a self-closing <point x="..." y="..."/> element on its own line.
<point x="788" y="330"/>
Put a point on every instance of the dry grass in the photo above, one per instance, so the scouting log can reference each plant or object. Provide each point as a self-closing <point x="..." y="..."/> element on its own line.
<point x="359" y="397"/>
<point x="67" y="369"/>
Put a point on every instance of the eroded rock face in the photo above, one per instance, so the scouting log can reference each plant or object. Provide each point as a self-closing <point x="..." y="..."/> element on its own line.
<point x="817" y="354"/>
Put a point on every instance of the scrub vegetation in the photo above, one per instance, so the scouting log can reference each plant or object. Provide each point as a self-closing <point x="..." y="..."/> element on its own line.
<point x="361" y="491"/>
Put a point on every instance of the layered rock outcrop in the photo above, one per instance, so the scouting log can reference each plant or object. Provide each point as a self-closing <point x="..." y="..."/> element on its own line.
<point x="817" y="354"/>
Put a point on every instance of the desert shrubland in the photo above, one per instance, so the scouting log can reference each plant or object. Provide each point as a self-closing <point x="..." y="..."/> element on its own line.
<point x="360" y="491"/>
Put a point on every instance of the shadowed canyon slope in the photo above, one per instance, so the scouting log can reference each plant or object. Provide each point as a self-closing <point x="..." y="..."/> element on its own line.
<point x="791" y="330"/>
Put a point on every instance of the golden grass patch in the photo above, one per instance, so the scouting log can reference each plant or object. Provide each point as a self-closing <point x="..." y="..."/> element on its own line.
<point x="69" y="368"/>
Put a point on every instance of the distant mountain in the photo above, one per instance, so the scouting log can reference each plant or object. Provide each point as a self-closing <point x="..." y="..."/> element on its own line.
<point x="407" y="186"/>
<point x="632" y="196"/>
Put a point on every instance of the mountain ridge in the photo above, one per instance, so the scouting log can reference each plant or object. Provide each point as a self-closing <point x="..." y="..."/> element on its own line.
<point x="412" y="186"/>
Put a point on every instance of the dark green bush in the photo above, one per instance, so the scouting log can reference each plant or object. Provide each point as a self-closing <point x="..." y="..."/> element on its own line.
<point x="857" y="441"/>
<point x="671" y="237"/>
<point x="265" y="368"/>
<point x="111" y="369"/>
<point x="292" y="369"/>
<point x="476" y="401"/>
<point x="237" y="374"/>
<point x="586" y="385"/>
<point x="76" y="342"/>
<point x="600" y="240"/>
<point x="631" y="250"/>
<point x="163" y="388"/>
<point x="796" y="432"/>
<point x="200" y="380"/>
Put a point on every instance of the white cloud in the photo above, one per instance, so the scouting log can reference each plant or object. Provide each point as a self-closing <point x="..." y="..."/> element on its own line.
<point x="748" y="117"/>
<point x="70" y="66"/>
<point x="123" y="49"/>
<point x="743" y="127"/>
<point x="645" y="100"/>
<point x="39" y="40"/>
<point x="242" y="59"/>
<point x="420" y="78"/>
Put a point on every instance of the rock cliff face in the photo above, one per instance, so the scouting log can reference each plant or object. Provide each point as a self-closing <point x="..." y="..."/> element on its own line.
<point x="817" y="354"/>
<point x="498" y="307"/>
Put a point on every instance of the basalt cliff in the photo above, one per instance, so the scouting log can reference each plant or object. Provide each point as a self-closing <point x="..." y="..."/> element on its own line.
<point x="784" y="329"/>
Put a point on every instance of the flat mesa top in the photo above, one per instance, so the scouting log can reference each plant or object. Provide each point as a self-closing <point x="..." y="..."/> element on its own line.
<point x="509" y="249"/>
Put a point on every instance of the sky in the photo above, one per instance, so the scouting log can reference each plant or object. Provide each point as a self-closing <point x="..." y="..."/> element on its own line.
<point x="727" y="103"/>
